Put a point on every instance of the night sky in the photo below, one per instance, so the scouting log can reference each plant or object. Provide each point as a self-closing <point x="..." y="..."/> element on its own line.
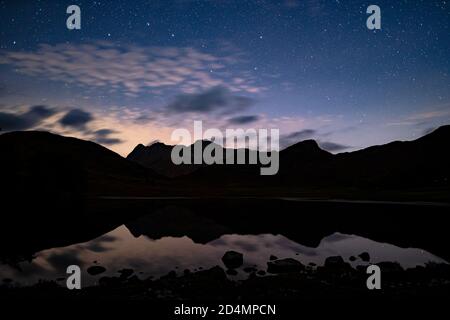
<point x="139" y="69"/>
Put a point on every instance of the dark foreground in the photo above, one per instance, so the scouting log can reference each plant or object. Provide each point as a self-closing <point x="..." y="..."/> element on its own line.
<point x="285" y="280"/>
<point x="203" y="220"/>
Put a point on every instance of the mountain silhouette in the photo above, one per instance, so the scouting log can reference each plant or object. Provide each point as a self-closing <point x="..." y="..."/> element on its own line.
<point x="40" y="161"/>
<point x="422" y="162"/>
<point x="157" y="157"/>
<point x="306" y="151"/>
<point x="408" y="165"/>
<point x="37" y="161"/>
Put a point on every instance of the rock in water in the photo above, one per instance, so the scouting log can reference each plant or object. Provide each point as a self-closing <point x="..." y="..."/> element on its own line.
<point x="233" y="259"/>
<point x="285" y="266"/>
<point x="250" y="270"/>
<point x="336" y="263"/>
<point x="261" y="273"/>
<point x="125" y="273"/>
<point x="390" y="267"/>
<point x="95" y="270"/>
<point x="365" y="256"/>
<point x="232" y="272"/>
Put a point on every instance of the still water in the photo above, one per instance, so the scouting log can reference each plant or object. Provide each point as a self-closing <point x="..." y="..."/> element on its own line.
<point x="148" y="257"/>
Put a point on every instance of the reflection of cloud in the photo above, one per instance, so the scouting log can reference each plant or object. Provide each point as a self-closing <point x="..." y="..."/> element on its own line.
<point x="98" y="245"/>
<point x="76" y="118"/>
<point x="286" y="243"/>
<point x="335" y="237"/>
<point x="60" y="261"/>
<point x="107" y="238"/>
<point x="247" y="246"/>
<point x="25" y="120"/>
<point x="217" y="98"/>
<point x="258" y="244"/>
<point x="132" y="69"/>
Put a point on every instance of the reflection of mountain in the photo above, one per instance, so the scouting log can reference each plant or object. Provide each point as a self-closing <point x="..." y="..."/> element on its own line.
<point x="205" y="220"/>
<point x="158" y="257"/>
<point x="177" y="221"/>
<point x="305" y="222"/>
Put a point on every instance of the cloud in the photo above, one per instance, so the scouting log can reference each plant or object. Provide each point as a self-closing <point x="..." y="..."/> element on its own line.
<point x="76" y="118"/>
<point x="423" y="118"/>
<point x="429" y="115"/>
<point x="428" y="131"/>
<point x="291" y="3"/>
<point x="332" y="147"/>
<point x="104" y="132"/>
<point x="315" y="7"/>
<point x="26" y="120"/>
<point x="132" y="69"/>
<point x="11" y="122"/>
<point x="218" y="98"/>
<point x="302" y="134"/>
<point x="243" y="119"/>
<point x="40" y="112"/>
<point x="144" y="118"/>
<point x="103" y="136"/>
<point x="296" y="136"/>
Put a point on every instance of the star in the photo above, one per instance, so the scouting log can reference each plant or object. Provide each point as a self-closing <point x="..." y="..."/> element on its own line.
<point x="328" y="62"/>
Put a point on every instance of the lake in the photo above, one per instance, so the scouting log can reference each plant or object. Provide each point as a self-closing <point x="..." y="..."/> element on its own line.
<point x="191" y="234"/>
